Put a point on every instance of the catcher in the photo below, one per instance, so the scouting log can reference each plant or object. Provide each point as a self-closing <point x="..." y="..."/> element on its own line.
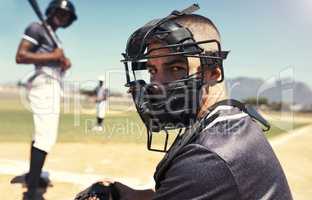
<point x="221" y="151"/>
<point x="44" y="86"/>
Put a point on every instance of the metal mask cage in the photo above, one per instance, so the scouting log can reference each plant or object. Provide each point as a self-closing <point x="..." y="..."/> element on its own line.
<point x="211" y="59"/>
<point x="166" y="142"/>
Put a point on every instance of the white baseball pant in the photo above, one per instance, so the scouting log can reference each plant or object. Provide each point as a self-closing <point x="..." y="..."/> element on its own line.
<point x="100" y="109"/>
<point x="45" y="96"/>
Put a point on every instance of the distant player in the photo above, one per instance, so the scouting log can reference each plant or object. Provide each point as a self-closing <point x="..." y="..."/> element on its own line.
<point x="45" y="85"/>
<point x="101" y="96"/>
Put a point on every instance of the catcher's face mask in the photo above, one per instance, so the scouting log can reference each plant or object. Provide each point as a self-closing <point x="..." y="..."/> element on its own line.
<point x="170" y="100"/>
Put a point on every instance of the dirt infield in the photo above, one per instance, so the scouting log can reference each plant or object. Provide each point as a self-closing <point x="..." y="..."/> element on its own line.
<point x="72" y="166"/>
<point x="294" y="151"/>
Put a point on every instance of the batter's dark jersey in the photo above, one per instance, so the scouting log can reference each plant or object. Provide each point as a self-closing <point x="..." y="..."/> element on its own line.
<point x="36" y="34"/>
<point x="229" y="159"/>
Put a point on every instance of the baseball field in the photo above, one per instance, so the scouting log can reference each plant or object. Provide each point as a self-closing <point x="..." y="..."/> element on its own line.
<point x="82" y="156"/>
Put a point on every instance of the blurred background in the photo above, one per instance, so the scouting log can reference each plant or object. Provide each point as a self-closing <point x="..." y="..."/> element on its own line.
<point x="269" y="66"/>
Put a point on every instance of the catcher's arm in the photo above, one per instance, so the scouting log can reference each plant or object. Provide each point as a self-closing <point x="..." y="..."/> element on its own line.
<point x="113" y="191"/>
<point x="125" y="192"/>
<point x="99" y="191"/>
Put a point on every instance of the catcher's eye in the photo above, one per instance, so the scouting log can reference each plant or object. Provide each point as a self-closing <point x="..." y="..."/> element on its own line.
<point x="177" y="68"/>
<point x="177" y="71"/>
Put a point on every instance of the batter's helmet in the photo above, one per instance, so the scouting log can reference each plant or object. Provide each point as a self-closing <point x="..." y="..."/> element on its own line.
<point x="62" y="5"/>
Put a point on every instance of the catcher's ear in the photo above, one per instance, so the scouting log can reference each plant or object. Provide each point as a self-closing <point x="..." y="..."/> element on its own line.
<point x="212" y="76"/>
<point x="216" y="74"/>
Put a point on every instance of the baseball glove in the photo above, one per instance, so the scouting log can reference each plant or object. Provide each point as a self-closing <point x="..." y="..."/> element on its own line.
<point x="98" y="191"/>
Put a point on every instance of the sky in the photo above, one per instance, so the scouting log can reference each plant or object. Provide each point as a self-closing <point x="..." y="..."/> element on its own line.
<point x="266" y="38"/>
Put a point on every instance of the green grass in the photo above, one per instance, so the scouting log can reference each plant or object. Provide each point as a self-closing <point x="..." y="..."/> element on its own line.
<point x="286" y="126"/>
<point x="17" y="126"/>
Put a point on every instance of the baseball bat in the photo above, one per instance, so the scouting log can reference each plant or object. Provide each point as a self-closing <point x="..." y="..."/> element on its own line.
<point x="47" y="27"/>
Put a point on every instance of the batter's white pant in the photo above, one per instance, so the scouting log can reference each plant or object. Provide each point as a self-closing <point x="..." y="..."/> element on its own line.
<point x="45" y="97"/>
<point x="100" y="109"/>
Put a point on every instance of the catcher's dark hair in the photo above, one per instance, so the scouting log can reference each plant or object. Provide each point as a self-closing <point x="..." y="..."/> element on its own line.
<point x="199" y="19"/>
<point x="202" y="29"/>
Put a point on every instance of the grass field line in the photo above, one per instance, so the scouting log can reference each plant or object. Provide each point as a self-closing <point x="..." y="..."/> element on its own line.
<point x="17" y="167"/>
<point x="285" y="138"/>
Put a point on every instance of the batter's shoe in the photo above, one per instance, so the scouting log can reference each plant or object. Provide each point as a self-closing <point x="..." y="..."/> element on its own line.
<point x="98" y="129"/>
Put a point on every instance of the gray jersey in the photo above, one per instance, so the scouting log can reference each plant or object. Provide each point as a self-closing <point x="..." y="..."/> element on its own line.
<point x="229" y="158"/>
<point x="101" y="93"/>
<point x="36" y="34"/>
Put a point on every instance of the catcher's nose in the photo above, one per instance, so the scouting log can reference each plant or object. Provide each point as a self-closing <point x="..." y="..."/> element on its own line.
<point x="154" y="89"/>
<point x="155" y="93"/>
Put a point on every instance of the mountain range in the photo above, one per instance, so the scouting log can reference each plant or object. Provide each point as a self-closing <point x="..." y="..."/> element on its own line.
<point x="275" y="90"/>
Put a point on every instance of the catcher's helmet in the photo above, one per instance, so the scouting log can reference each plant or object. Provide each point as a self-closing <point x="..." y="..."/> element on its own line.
<point x="174" y="104"/>
<point x="63" y="5"/>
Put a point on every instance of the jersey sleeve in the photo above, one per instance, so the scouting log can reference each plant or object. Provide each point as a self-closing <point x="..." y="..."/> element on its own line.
<point x="198" y="174"/>
<point x="33" y="33"/>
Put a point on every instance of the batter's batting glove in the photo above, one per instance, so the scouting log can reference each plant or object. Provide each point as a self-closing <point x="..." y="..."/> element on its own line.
<point x="99" y="191"/>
